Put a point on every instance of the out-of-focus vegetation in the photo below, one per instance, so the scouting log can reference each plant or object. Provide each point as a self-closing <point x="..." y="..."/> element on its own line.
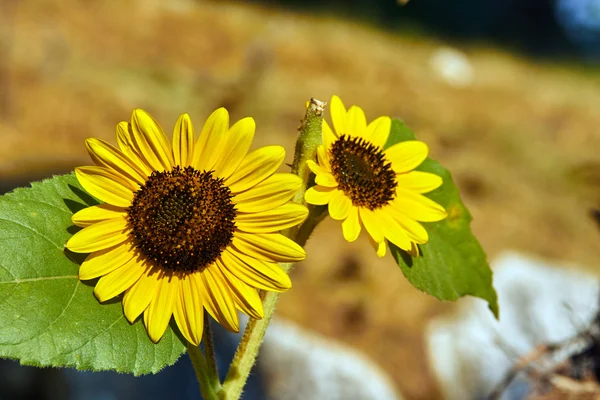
<point x="534" y="26"/>
<point x="513" y="132"/>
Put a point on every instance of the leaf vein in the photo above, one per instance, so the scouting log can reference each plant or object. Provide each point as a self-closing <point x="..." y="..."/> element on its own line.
<point x="32" y="230"/>
<point x="63" y="311"/>
<point x="7" y="270"/>
<point x="94" y="337"/>
<point x="41" y="278"/>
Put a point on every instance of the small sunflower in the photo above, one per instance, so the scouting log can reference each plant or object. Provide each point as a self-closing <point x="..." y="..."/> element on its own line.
<point x="364" y="184"/>
<point x="188" y="225"/>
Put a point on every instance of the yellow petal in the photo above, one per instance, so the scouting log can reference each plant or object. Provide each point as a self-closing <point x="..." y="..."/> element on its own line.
<point x="414" y="250"/>
<point x="158" y="314"/>
<point x="268" y="247"/>
<point x="106" y="155"/>
<point x="138" y="297"/>
<point x="94" y="214"/>
<point x="189" y="310"/>
<point x="339" y="206"/>
<point x="151" y="141"/>
<point x="235" y="147"/>
<point x="412" y="228"/>
<point x="246" y="298"/>
<point x="119" y="280"/>
<point x="106" y="185"/>
<point x="128" y="147"/>
<point x="104" y="261"/>
<point x="319" y="195"/>
<point x="218" y="299"/>
<point x="420" y="182"/>
<point x="356" y="123"/>
<point x="380" y="248"/>
<point x="327" y="180"/>
<point x="257" y="166"/>
<point x="394" y="232"/>
<point x="406" y="156"/>
<point x="323" y="176"/>
<point x="379" y="130"/>
<point x="372" y="223"/>
<point x="273" y="192"/>
<point x="418" y="207"/>
<point x="183" y="141"/>
<point x="256" y="273"/>
<point x="209" y="146"/>
<point x="272" y="220"/>
<point x="351" y="225"/>
<point x="338" y="116"/>
<point x="329" y="137"/>
<point x="323" y="157"/>
<point x="316" y="168"/>
<point x="99" y="236"/>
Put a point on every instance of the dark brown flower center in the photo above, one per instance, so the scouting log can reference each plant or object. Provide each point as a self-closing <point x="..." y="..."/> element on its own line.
<point x="182" y="220"/>
<point x="362" y="172"/>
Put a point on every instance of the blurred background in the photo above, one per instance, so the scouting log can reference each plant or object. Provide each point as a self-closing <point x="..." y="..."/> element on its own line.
<point x="505" y="92"/>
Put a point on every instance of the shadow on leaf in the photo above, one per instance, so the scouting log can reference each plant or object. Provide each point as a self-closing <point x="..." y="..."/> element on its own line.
<point x="408" y="260"/>
<point x="77" y="258"/>
<point x="75" y="206"/>
<point x="73" y="229"/>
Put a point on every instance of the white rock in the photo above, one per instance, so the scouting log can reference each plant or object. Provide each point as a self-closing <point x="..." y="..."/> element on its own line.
<point x="540" y="302"/>
<point x="452" y="66"/>
<point x="299" y="365"/>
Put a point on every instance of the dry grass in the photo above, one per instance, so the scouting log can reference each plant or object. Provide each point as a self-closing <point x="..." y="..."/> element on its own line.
<point x="74" y="69"/>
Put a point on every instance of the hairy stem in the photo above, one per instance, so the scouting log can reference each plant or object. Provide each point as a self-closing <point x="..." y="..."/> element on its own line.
<point x="245" y="356"/>
<point x="208" y="387"/>
<point x="209" y="352"/>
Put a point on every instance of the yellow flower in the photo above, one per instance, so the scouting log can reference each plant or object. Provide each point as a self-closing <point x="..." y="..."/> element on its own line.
<point x="186" y="226"/>
<point x="367" y="185"/>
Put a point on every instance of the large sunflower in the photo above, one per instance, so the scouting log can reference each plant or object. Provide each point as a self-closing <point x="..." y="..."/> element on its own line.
<point x="188" y="225"/>
<point x="367" y="185"/>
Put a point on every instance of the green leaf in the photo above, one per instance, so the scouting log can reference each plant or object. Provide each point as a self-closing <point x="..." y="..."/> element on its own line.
<point x="48" y="317"/>
<point x="452" y="263"/>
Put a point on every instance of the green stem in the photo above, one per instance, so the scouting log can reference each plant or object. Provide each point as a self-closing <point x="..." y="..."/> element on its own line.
<point x="207" y="386"/>
<point x="307" y="143"/>
<point x="245" y="356"/>
<point x="209" y="352"/>
<point x="316" y="214"/>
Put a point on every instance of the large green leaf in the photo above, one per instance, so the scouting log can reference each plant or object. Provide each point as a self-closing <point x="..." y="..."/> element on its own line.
<point x="452" y="263"/>
<point x="48" y="317"/>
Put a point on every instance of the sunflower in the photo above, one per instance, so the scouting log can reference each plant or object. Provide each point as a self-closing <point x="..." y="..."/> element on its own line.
<point x="186" y="226"/>
<point x="364" y="184"/>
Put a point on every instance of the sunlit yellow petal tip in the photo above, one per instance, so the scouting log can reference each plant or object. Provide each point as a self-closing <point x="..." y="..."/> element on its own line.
<point x="149" y="179"/>
<point x="406" y="156"/>
<point x="183" y="141"/>
<point x="217" y="117"/>
<point x="337" y="104"/>
<point x="338" y="115"/>
<point x="351" y="226"/>
<point x="379" y="131"/>
<point x="379" y="247"/>
<point x="151" y="142"/>
<point x="356" y="122"/>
